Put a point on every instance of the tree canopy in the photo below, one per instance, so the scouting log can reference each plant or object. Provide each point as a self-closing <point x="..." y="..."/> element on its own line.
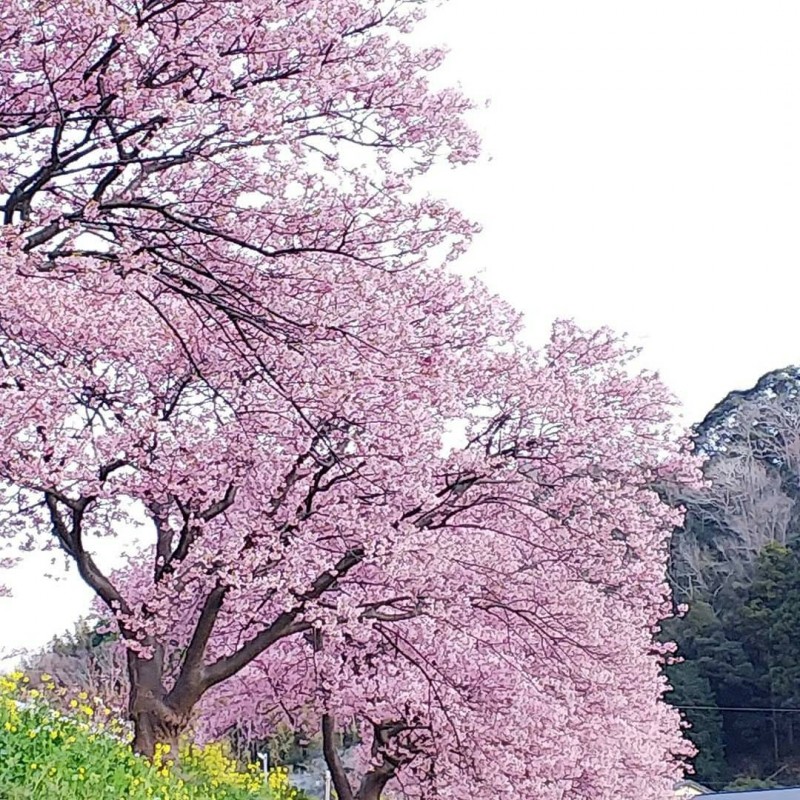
<point x="228" y="320"/>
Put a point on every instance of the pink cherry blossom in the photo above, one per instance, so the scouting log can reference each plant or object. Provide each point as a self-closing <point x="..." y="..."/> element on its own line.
<point x="227" y="317"/>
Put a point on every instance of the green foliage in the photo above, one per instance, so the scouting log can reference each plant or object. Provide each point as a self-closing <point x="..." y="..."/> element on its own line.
<point x="746" y="784"/>
<point x="743" y="662"/>
<point x="46" y="754"/>
<point x="691" y="688"/>
<point x="771" y="623"/>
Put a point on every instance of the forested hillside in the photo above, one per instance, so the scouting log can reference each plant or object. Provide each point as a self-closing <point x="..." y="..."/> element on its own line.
<point x="736" y="563"/>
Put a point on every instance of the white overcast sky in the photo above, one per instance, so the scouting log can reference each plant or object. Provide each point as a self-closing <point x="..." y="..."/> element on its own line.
<point x="642" y="171"/>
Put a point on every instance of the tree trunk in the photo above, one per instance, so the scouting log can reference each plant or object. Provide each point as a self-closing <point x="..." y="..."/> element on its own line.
<point x="374" y="782"/>
<point x="155" y="719"/>
<point x="775" y="741"/>
<point x="371" y="791"/>
<point x="151" y="728"/>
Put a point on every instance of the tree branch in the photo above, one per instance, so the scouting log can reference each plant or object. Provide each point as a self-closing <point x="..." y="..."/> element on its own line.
<point x="189" y="685"/>
<point x="284" y="625"/>
<point x="71" y="541"/>
<point x="221" y="506"/>
<point x="338" y="775"/>
<point x="189" y="531"/>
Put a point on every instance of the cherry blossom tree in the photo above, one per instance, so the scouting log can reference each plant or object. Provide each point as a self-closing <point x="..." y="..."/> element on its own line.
<point x="229" y="323"/>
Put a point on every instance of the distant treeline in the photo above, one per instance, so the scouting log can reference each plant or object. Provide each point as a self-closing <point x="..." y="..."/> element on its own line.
<point x="736" y="563"/>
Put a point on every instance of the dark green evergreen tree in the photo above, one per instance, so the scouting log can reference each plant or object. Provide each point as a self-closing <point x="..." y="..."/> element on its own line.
<point x="691" y="692"/>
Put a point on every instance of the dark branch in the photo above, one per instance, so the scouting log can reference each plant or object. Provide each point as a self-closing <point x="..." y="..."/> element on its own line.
<point x="70" y="538"/>
<point x="189" y="684"/>
<point x="286" y="624"/>
<point x="338" y="775"/>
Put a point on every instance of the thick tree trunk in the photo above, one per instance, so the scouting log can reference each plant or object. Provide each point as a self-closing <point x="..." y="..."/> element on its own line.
<point x="155" y="719"/>
<point x="151" y="728"/>
<point x="371" y="791"/>
<point x="374" y="782"/>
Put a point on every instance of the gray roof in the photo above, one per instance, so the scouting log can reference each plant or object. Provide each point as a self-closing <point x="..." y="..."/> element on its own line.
<point x="692" y="785"/>
<point x="759" y="794"/>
